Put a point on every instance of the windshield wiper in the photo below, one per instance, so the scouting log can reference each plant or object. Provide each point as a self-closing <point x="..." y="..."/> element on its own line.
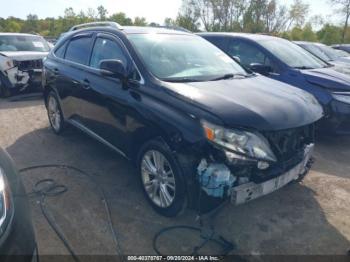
<point x="303" y="67"/>
<point x="181" y="80"/>
<point x="229" y="76"/>
<point x="223" y="77"/>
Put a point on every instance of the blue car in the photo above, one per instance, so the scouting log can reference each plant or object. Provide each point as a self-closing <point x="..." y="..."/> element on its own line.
<point x="326" y="53"/>
<point x="285" y="61"/>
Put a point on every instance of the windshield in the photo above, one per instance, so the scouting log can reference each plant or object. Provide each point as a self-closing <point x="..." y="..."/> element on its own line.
<point x="330" y="52"/>
<point x="342" y="53"/>
<point x="315" y="50"/>
<point x="184" y="58"/>
<point x="23" y="43"/>
<point x="292" y="54"/>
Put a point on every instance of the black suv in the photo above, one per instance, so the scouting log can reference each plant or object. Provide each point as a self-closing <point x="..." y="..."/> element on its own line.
<point x="192" y="120"/>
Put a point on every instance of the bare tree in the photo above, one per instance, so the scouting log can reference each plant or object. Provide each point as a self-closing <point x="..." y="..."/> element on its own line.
<point x="344" y="10"/>
<point x="276" y="17"/>
<point x="298" y="13"/>
<point x="257" y="16"/>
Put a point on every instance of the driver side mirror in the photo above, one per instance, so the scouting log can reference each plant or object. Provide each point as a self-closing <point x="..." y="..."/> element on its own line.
<point x="261" y="69"/>
<point x="113" y="68"/>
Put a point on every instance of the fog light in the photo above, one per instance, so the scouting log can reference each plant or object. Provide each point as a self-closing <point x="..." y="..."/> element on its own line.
<point x="263" y="165"/>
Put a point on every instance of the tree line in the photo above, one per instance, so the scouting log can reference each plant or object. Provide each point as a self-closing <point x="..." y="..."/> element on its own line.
<point x="251" y="16"/>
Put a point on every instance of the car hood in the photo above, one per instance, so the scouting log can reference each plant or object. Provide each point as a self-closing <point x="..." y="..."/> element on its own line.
<point x="344" y="59"/>
<point x="255" y="102"/>
<point x="24" y="55"/>
<point x="335" y="78"/>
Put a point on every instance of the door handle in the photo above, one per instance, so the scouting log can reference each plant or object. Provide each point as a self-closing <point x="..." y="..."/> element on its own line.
<point x="56" y="71"/>
<point x="86" y="84"/>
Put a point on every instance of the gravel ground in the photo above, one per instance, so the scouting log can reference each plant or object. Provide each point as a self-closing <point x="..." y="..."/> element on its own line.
<point x="312" y="218"/>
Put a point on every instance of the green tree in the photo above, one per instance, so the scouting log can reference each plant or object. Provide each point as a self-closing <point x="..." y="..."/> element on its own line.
<point x="296" y="34"/>
<point x="31" y="24"/>
<point x="330" y="34"/>
<point x="308" y="34"/>
<point x="121" y="18"/>
<point x="188" y="16"/>
<point x="140" y="21"/>
<point x="102" y="12"/>
<point x="343" y="9"/>
<point x="169" y="22"/>
<point x="13" y="26"/>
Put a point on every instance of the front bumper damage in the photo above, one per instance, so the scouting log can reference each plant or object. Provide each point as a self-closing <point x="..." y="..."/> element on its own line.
<point x="243" y="180"/>
<point x="22" y="75"/>
<point x="250" y="191"/>
<point x="218" y="181"/>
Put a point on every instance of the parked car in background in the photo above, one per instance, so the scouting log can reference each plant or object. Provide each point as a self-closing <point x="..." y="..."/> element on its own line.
<point x="343" y="47"/>
<point x="326" y="53"/>
<point x="287" y="62"/>
<point x="21" y="60"/>
<point x="17" y="240"/>
<point x="184" y="112"/>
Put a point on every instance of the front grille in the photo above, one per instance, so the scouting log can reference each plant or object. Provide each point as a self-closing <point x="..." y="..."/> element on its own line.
<point x="288" y="143"/>
<point x="29" y="65"/>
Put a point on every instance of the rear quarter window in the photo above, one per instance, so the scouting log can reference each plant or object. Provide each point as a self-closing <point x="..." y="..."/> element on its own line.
<point x="61" y="50"/>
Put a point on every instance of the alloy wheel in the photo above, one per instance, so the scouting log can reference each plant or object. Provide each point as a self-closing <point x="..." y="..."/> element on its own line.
<point x="158" y="178"/>
<point x="54" y="113"/>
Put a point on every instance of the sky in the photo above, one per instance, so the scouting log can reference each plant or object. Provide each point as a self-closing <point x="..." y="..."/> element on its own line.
<point x="152" y="10"/>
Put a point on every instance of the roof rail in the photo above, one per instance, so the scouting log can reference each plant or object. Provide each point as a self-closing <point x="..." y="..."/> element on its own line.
<point x="176" y="28"/>
<point x="106" y="23"/>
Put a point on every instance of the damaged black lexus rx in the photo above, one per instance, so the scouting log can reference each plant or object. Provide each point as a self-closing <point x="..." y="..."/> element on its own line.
<point x="185" y="113"/>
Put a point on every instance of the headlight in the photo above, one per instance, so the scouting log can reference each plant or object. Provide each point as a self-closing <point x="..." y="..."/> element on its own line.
<point x="252" y="145"/>
<point x="342" y="97"/>
<point x="5" y="202"/>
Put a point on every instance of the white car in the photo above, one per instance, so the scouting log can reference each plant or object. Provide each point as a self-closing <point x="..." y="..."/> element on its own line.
<point x="21" y="61"/>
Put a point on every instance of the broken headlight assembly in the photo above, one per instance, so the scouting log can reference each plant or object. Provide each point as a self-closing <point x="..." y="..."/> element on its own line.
<point x="239" y="143"/>
<point x="5" y="203"/>
<point x="342" y="97"/>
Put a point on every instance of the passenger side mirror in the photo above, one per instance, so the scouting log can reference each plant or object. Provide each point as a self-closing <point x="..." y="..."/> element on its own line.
<point x="113" y="68"/>
<point x="236" y="58"/>
<point x="261" y="69"/>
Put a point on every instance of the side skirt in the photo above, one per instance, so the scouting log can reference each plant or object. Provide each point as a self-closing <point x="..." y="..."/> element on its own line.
<point x="95" y="136"/>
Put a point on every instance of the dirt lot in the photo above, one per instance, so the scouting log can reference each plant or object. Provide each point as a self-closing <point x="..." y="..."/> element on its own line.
<point x="309" y="218"/>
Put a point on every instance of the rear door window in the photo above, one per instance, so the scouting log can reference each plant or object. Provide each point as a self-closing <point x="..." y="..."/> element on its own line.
<point x="78" y="50"/>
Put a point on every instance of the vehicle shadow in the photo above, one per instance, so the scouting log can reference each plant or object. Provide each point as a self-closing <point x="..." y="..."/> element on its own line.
<point x="332" y="156"/>
<point x="291" y="221"/>
<point x="21" y="101"/>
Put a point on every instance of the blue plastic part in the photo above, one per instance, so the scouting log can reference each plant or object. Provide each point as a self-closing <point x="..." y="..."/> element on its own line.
<point x="215" y="178"/>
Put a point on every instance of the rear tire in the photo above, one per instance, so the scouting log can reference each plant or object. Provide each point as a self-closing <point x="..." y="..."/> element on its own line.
<point x="162" y="179"/>
<point x="54" y="113"/>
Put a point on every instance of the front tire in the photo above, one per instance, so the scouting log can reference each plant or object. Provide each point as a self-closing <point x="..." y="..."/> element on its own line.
<point x="162" y="179"/>
<point x="54" y="113"/>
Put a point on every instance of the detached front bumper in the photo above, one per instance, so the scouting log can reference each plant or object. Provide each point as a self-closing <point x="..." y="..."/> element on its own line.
<point x="223" y="181"/>
<point x="247" y="192"/>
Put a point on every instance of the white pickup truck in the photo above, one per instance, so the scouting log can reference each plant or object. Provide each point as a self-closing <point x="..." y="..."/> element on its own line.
<point x="21" y="61"/>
